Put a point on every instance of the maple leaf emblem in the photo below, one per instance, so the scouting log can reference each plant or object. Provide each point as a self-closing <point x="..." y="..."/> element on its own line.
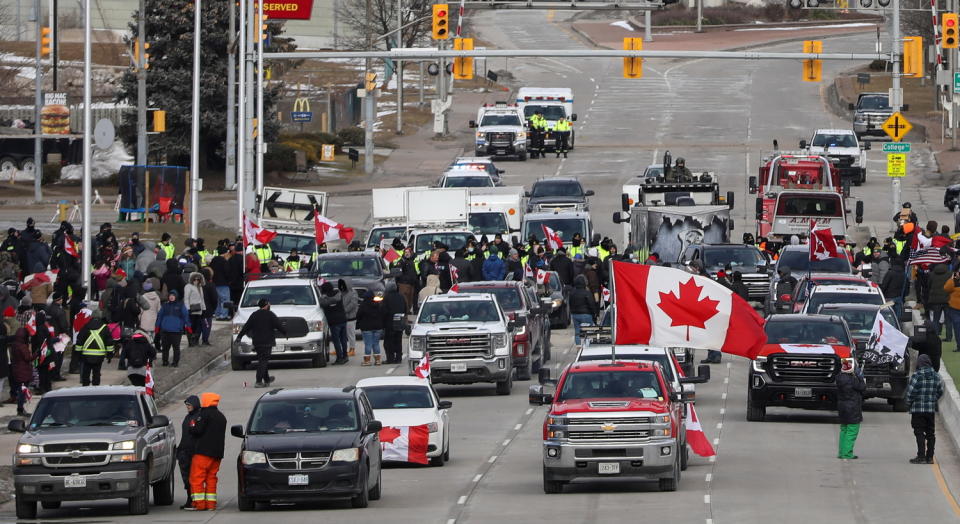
<point x="389" y="434"/>
<point x="687" y="309"/>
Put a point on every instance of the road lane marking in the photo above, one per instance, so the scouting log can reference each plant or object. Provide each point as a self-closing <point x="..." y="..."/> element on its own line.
<point x="518" y="427"/>
<point x="716" y="441"/>
<point x="706" y="499"/>
<point x="492" y="459"/>
<point x="462" y="500"/>
<point x="723" y="410"/>
<point x="478" y="477"/>
<point x="709" y="477"/>
<point x="943" y="487"/>
<point x="726" y="380"/>
<point x="506" y="443"/>
<point x="723" y="396"/>
<point x="719" y="425"/>
<point x="391" y="370"/>
<point x="529" y="411"/>
<point x="451" y="521"/>
<point x="713" y="458"/>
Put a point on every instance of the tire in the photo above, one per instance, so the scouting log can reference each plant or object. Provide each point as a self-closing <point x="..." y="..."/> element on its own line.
<point x="26" y="509"/>
<point x="245" y="504"/>
<point x="504" y="386"/>
<point x="28" y="166"/>
<point x="139" y="504"/>
<point x="670" y="484"/>
<point x="524" y="372"/>
<point x="522" y="157"/>
<point x="446" y="454"/>
<point x="362" y="499"/>
<point x="755" y="412"/>
<point x="548" y="351"/>
<point x="50" y="504"/>
<point x="8" y="164"/>
<point x="319" y="361"/>
<point x="550" y="486"/>
<point x="437" y="461"/>
<point x="163" y="491"/>
<point x="685" y="458"/>
<point x="898" y="404"/>
<point x="374" y="493"/>
<point x="568" y="318"/>
<point x="237" y="365"/>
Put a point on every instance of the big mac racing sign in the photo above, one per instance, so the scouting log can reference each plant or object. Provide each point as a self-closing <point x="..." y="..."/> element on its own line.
<point x="288" y="9"/>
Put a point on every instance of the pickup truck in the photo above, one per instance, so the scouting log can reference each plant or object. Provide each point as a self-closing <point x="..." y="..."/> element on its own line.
<point x="94" y="443"/>
<point x="611" y="419"/>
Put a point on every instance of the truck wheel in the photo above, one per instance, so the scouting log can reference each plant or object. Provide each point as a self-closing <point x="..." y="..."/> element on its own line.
<point x="551" y="486"/>
<point x="524" y="372"/>
<point x="898" y="404"/>
<point x="670" y="484"/>
<point x="522" y="157"/>
<point x="362" y="499"/>
<point x="755" y="411"/>
<point x="548" y="354"/>
<point x="163" y="491"/>
<point x="437" y="461"/>
<point x="28" y="166"/>
<point x="245" y="504"/>
<point x="446" y="454"/>
<point x="684" y="458"/>
<point x="319" y="361"/>
<point x="138" y="504"/>
<point x="237" y="365"/>
<point x="504" y="386"/>
<point x="50" y="504"/>
<point x="26" y="509"/>
<point x="7" y="164"/>
<point x="374" y="493"/>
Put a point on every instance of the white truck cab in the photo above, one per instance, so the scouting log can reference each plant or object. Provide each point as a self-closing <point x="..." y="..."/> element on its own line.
<point x="843" y="149"/>
<point x="501" y="131"/>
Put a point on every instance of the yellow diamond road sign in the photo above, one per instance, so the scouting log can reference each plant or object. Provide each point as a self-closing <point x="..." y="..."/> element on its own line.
<point x="896" y="127"/>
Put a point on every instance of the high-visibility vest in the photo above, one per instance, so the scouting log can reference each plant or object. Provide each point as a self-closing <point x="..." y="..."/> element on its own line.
<point x="562" y="125"/>
<point x="264" y="253"/>
<point x="203" y="257"/>
<point x="899" y="244"/>
<point x="573" y="251"/>
<point x="867" y="251"/>
<point x="168" y="250"/>
<point x="292" y="265"/>
<point x="89" y="350"/>
<point x="603" y="253"/>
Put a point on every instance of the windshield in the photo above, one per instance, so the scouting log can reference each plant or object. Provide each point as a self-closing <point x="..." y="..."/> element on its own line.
<point x="467" y="181"/>
<point x="803" y="286"/>
<point x="794" y="332"/>
<point x="500" y="120"/>
<point x="860" y="322"/>
<point x="453" y="241"/>
<point x="660" y="358"/>
<point x="488" y="223"/>
<point x="834" y="141"/>
<point x="818" y="299"/>
<point x="874" y="103"/>
<point x="653" y="172"/>
<point x="385" y="233"/>
<point x="610" y="384"/>
<point x="458" y="311"/>
<point x="809" y="206"/>
<point x="507" y="297"/>
<point x="283" y="243"/>
<point x="399" y="397"/>
<point x="303" y="415"/>
<point x="558" y="189"/>
<point x="565" y="227"/>
<point x="549" y="112"/>
<point x="799" y="261"/>
<point x="293" y="295"/>
<point x="93" y="410"/>
<point x="553" y="282"/>
<point x="735" y="256"/>
<point x="350" y="267"/>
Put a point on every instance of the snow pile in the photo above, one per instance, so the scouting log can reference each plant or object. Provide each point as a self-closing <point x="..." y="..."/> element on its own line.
<point x="624" y="24"/>
<point x="106" y="163"/>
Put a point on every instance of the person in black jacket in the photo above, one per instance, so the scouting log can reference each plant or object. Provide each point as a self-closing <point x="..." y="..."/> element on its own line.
<point x="332" y="304"/>
<point x="395" y="307"/>
<point x="188" y="444"/>
<point x="261" y="326"/>
<point x="850" y="388"/>
<point x="57" y="317"/>
<point x="236" y="270"/>
<point x="563" y="266"/>
<point x="370" y="322"/>
<point x="929" y="344"/>
<point x="583" y="307"/>
<point x="210" y="431"/>
<point x="892" y="284"/>
<point x="407" y="281"/>
<point x="220" y="282"/>
<point x="211" y="300"/>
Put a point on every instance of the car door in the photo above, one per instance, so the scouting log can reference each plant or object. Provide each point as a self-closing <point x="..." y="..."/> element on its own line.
<point x="372" y="441"/>
<point x="444" y="416"/>
<point x="543" y="317"/>
<point x="156" y="440"/>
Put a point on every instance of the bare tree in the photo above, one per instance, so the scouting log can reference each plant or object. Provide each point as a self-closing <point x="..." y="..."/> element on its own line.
<point x="383" y="19"/>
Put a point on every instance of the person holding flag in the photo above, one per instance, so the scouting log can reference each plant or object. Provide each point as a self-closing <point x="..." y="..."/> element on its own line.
<point x="850" y="388"/>
<point x="139" y="354"/>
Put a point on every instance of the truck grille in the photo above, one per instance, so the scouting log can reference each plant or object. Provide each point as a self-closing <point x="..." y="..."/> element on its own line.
<point x="458" y="346"/>
<point x="804" y="368"/>
<point x="757" y="285"/>
<point x="562" y="205"/>
<point x="298" y="460"/>
<point x="82" y="460"/>
<point x="500" y="138"/>
<point x="296" y="326"/>
<point x="619" y="421"/>
<point x="631" y="434"/>
<point x="842" y="160"/>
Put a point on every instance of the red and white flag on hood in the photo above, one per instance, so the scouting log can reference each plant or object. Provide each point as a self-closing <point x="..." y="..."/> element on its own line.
<point x="552" y="239"/>
<point x="149" y="384"/>
<point x="822" y="244"/>
<point x="696" y="438"/>
<point x="423" y="367"/>
<point x="254" y="234"/>
<point x="666" y="307"/>
<point x="70" y="247"/>
<point x="405" y="444"/>
<point x="327" y="230"/>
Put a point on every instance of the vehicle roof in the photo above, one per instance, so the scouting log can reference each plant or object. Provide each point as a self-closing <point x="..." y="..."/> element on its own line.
<point x="544" y="90"/>
<point x="557" y="180"/>
<point x="562" y="213"/>
<point x="622" y="349"/>
<point x="347" y="254"/>
<point x="490" y="284"/>
<point x="461" y="171"/>
<point x="833" y="132"/>
<point x="394" y="380"/>
<point x="80" y="391"/>
<point x="844" y="276"/>
<point x="274" y="282"/>
<point x="798" y="317"/>
<point x="453" y="296"/>
<point x="472" y="160"/>
<point x="306" y="393"/>
<point x="729" y="244"/>
<point x="834" y="288"/>
<point x="853" y="307"/>
<point x="609" y="365"/>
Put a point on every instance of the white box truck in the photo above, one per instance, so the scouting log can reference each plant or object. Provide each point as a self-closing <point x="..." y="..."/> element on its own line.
<point x="496" y="209"/>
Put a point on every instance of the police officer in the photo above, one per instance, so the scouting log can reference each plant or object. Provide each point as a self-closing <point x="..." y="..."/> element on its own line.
<point x="166" y="246"/>
<point x="538" y="125"/>
<point x="95" y="342"/>
<point x="562" y="129"/>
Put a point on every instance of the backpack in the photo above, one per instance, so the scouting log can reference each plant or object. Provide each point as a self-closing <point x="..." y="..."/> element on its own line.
<point x="136" y="355"/>
<point x="115" y="306"/>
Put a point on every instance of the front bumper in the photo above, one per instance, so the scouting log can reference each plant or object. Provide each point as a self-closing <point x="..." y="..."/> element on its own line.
<point x="501" y="149"/>
<point x="885" y="386"/>
<point x="493" y="369"/>
<point x="649" y="460"/>
<point x="111" y="481"/>
<point x="300" y="348"/>
<point x="823" y="396"/>
<point x="260" y="482"/>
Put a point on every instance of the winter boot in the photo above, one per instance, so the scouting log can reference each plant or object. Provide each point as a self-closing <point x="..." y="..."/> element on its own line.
<point x="366" y="360"/>
<point x="376" y="360"/>
<point x="352" y="352"/>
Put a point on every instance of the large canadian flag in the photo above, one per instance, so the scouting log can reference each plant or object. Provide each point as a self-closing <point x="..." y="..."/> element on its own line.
<point x="149" y="384"/>
<point x="668" y="307"/>
<point x="553" y="240"/>
<point x="422" y="370"/>
<point x="822" y="244"/>
<point x="405" y="443"/>
<point x="254" y="234"/>
<point x="327" y="230"/>
<point x="70" y="247"/>
<point x="696" y="438"/>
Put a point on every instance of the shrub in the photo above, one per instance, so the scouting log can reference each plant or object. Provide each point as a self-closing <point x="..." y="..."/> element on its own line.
<point x="280" y="157"/>
<point x="352" y="135"/>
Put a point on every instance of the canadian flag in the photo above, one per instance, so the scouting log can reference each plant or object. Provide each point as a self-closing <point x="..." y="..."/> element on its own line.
<point x="327" y="230"/>
<point x="454" y="273"/>
<point x="605" y="294"/>
<point x="696" y="438"/>
<point x="822" y="243"/>
<point x="254" y="234"/>
<point x="148" y="381"/>
<point x="667" y="307"/>
<point x="27" y="394"/>
<point x="38" y="279"/>
<point x="390" y="255"/>
<point x="70" y="247"/>
<point x="79" y="321"/>
<point x="541" y="276"/>
<point x="405" y="444"/>
<point x="528" y="271"/>
<point x="552" y="239"/>
<point x="31" y="325"/>
<point x="423" y="367"/>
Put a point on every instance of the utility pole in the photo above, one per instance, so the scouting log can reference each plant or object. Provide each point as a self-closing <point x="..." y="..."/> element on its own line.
<point x="142" y="145"/>
<point x="37" y="102"/>
<point x="953" y="55"/>
<point x="369" y="113"/>
<point x="230" y="177"/>
<point x="261" y="124"/>
<point x="647" y="30"/>
<point x="897" y="102"/>
<point x="87" y="246"/>
<point x="195" y="123"/>
<point x="54" y="42"/>
<point x="249" y="188"/>
<point x="699" y="16"/>
<point x="399" y="68"/>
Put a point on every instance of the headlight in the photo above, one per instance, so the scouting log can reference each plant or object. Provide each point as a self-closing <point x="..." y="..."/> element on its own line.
<point x="557" y="302"/>
<point x="663" y="419"/>
<point x="253" y="457"/>
<point x="556" y="421"/>
<point x="125" y="445"/>
<point x="418" y="343"/>
<point x="237" y="328"/>
<point x="316" y="325"/>
<point x="479" y="135"/>
<point x="346" y="455"/>
<point x="28" y="448"/>
<point x="433" y="427"/>
<point x="521" y="136"/>
<point x="758" y="364"/>
<point x="498" y="340"/>
<point x="661" y="433"/>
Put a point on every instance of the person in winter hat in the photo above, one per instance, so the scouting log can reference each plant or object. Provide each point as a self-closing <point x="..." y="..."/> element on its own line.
<point x="188" y="444"/>
<point x="351" y="305"/>
<point x="138" y="353"/>
<point x="173" y="320"/>
<point x="850" y="388"/>
<point x="370" y="322"/>
<point x="923" y="394"/>
<point x="210" y="431"/>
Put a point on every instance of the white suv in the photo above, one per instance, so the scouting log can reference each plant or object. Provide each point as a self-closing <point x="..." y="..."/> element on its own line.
<point x="501" y="131"/>
<point x="295" y="300"/>
<point x="846" y="153"/>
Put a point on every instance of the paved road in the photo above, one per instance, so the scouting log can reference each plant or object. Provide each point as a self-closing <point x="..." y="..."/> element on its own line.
<point x="718" y="115"/>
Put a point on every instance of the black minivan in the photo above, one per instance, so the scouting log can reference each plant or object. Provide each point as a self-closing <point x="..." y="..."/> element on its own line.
<point x="305" y="445"/>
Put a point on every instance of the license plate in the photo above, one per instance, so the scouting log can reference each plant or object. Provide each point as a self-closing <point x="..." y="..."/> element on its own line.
<point x="802" y="392"/>
<point x="74" y="481"/>
<point x="458" y="367"/>
<point x="608" y="468"/>
<point x="298" y="480"/>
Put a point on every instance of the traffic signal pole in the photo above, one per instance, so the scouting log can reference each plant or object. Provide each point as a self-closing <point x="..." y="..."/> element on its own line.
<point x="38" y="101"/>
<point x="897" y="102"/>
<point x="142" y="146"/>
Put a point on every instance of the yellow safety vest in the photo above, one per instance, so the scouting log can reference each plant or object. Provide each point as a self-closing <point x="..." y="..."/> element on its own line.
<point x="562" y="125"/>
<point x="292" y="265"/>
<point x="573" y="251"/>
<point x="168" y="250"/>
<point x="603" y="253"/>
<point x="900" y="245"/>
<point x="88" y="350"/>
<point x="264" y="254"/>
<point x="867" y="251"/>
<point x="203" y="257"/>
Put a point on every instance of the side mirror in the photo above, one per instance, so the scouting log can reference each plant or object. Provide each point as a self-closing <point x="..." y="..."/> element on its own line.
<point x="851" y="106"/>
<point x="573" y="117"/>
<point x="624" y="202"/>
<point x="527" y="194"/>
<point x="703" y="376"/>
<point x="472" y="124"/>
<point x="501" y="171"/>
<point x="537" y="397"/>
<point x="159" y="421"/>
<point x="730" y="199"/>
<point x="406" y="329"/>
<point x="374" y="426"/>
<point x="543" y="376"/>
<point x="688" y="396"/>
<point x="617" y="218"/>
<point x="803" y="144"/>
<point x="444" y="404"/>
<point x="865" y="145"/>
<point x="859" y="211"/>
<point x="17" y="425"/>
<point x="730" y="225"/>
<point x="236" y="431"/>
<point x="905" y="107"/>
<point x="589" y="192"/>
<point x="753" y="184"/>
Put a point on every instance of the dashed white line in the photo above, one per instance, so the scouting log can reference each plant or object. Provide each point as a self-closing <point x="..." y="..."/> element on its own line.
<point x="529" y="411"/>
<point x="723" y="396"/>
<point x="709" y="521"/>
<point x="462" y="500"/>
<point x="506" y="443"/>
<point x="492" y="459"/>
<point x="716" y="441"/>
<point x="477" y="478"/>
<point x="723" y="410"/>
<point x="518" y="427"/>
<point x="706" y="499"/>
<point x="729" y="365"/>
<point x="719" y="425"/>
<point x="713" y="458"/>
<point x="726" y="380"/>
<point x="390" y="371"/>
<point x="451" y="521"/>
<point x="709" y="477"/>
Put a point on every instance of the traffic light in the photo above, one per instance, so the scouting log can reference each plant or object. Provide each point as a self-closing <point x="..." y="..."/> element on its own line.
<point x="159" y="123"/>
<point x="46" y="42"/>
<point x="256" y="127"/>
<point x="949" y="31"/>
<point x="812" y="69"/>
<point x="463" y="67"/>
<point x="370" y="82"/>
<point x="632" y="66"/>
<point x="913" y="57"/>
<point x="441" y="21"/>
<point x="262" y="34"/>
<point x="146" y="55"/>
